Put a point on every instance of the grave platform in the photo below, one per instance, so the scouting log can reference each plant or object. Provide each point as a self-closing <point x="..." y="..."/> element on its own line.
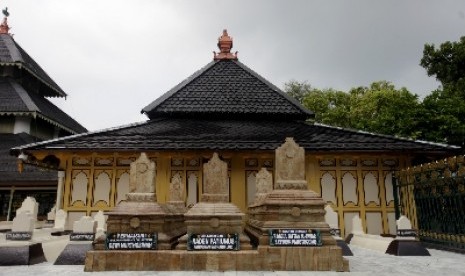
<point x="265" y="258"/>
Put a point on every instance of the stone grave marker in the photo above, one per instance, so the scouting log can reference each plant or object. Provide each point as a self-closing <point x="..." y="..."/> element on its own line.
<point x="60" y="220"/>
<point x="331" y="219"/>
<point x="84" y="229"/>
<point x="100" y="218"/>
<point x="52" y="214"/>
<point x="404" y="228"/>
<point x="290" y="166"/>
<point x="23" y="227"/>
<point x="357" y="227"/>
<point x="264" y="184"/>
<point x="29" y="205"/>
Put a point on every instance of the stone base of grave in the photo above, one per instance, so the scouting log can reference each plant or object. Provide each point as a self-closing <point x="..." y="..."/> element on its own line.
<point x="407" y="247"/>
<point x="287" y="209"/>
<point x="74" y="253"/>
<point x="215" y="218"/>
<point x="265" y="258"/>
<point x="28" y="254"/>
<point x="142" y="214"/>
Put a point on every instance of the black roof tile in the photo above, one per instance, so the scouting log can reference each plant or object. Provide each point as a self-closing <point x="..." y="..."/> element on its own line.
<point x="226" y="88"/>
<point x="11" y="54"/>
<point x="15" y="99"/>
<point x="203" y="134"/>
<point x="8" y="164"/>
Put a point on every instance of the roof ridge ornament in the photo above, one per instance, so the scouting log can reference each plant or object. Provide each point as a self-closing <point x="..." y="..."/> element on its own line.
<point x="225" y="44"/>
<point x="4" y="28"/>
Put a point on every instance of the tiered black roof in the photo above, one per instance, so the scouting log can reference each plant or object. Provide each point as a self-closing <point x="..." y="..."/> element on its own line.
<point x="14" y="100"/>
<point x="226" y="89"/>
<point x="227" y="106"/>
<point x="229" y="134"/>
<point x="8" y="168"/>
<point x="11" y="54"/>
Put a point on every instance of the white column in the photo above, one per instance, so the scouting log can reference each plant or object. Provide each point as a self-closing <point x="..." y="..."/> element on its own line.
<point x="61" y="180"/>
<point x="22" y="124"/>
<point x="10" y="203"/>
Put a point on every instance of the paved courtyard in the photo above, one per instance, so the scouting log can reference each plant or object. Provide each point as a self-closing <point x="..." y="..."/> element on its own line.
<point x="364" y="262"/>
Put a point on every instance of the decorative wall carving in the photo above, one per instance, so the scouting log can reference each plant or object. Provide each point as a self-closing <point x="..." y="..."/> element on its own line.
<point x="122" y="187"/>
<point x="388" y="188"/>
<point x="251" y="186"/>
<point x="370" y="187"/>
<point x="102" y="187"/>
<point x="328" y="187"/>
<point x="349" y="188"/>
<point x="142" y="175"/>
<point x="79" y="186"/>
<point x="192" y="180"/>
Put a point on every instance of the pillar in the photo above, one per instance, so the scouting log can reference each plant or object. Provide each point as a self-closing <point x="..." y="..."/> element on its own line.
<point x="61" y="181"/>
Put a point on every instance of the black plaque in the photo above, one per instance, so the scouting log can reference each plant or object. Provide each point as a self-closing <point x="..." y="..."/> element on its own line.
<point x="213" y="242"/>
<point x="81" y="237"/>
<point x="295" y="237"/>
<point x="407" y="233"/>
<point x="19" y="236"/>
<point x="131" y="241"/>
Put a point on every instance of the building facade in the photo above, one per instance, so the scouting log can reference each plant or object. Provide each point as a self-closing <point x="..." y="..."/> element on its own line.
<point x="227" y="108"/>
<point x="26" y="116"/>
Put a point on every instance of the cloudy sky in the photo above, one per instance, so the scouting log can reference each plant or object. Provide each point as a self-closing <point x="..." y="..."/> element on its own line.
<point x="115" y="57"/>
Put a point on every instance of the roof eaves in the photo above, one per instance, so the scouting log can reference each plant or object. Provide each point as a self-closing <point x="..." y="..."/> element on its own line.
<point x="175" y="89"/>
<point x="389" y="136"/>
<point x="17" y="150"/>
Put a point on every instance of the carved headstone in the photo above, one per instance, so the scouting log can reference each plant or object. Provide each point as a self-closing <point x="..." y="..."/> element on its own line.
<point x="215" y="173"/>
<point x="23" y="222"/>
<point x="51" y="215"/>
<point x="403" y="223"/>
<point x="264" y="184"/>
<point x="142" y="175"/>
<point x="357" y="227"/>
<point x="290" y="166"/>
<point x="99" y="217"/>
<point x="331" y="217"/>
<point x="176" y="188"/>
<point x="29" y="205"/>
<point x="85" y="224"/>
<point x="60" y="220"/>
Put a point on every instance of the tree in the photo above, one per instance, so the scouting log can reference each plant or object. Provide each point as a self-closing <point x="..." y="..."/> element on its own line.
<point x="380" y="108"/>
<point x="445" y="107"/>
<point x="447" y="63"/>
<point x="297" y="90"/>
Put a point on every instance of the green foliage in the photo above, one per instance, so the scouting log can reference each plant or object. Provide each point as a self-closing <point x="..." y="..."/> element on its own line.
<point x="447" y="63"/>
<point x="380" y="108"/>
<point x="445" y="107"/>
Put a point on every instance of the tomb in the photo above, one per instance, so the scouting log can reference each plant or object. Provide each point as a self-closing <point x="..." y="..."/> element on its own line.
<point x="141" y="214"/>
<point x="333" y="222"/>
<point x="406" y="242"/>
<point x="19" y="248"/>
<point x="80" y="242"/>
<point x="286" y="225"/>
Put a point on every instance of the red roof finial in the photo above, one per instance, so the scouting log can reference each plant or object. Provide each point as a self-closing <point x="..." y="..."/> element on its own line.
<point x="4" y="28"/>
<point x="225" y="43"/>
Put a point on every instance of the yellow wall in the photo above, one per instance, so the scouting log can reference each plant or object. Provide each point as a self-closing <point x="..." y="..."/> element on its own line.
<point x="86" y="169"/>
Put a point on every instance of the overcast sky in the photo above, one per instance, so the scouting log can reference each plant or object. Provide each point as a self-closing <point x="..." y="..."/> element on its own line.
<point x="114" y="57"/>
